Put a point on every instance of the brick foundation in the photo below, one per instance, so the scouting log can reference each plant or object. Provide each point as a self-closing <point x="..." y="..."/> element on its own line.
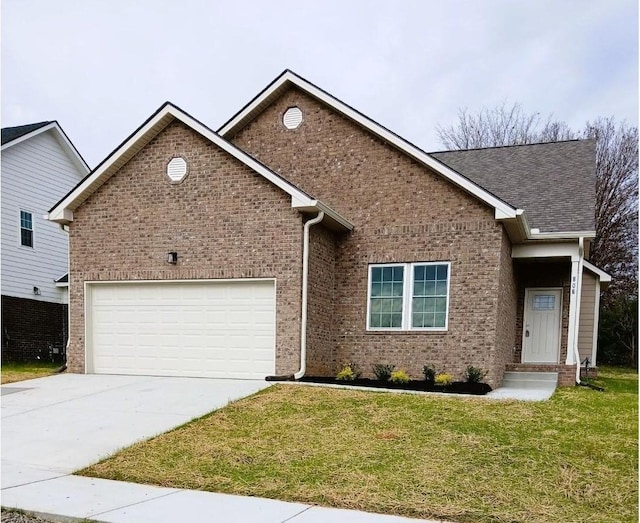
<point x="30" y="327"/>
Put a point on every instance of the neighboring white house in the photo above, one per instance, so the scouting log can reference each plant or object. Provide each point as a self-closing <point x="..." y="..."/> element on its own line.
<point x="39" y="166"/>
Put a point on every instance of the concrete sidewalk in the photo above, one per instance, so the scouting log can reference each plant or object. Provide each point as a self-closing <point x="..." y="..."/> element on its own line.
<point x="75" y="498"/>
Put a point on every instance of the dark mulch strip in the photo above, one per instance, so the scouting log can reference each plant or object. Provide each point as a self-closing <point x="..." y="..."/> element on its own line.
<point x="457" y="387"/>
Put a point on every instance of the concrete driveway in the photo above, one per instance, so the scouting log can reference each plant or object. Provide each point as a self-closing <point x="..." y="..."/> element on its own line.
<point x="56" y="425"/>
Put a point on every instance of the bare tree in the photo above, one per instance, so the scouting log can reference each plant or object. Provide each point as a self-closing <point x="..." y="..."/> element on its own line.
<point x="615" y="248"/>
<point x="502" y="125"/>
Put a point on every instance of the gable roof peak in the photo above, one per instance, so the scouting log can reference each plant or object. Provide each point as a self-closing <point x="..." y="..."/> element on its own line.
<point x="13" y="133"/>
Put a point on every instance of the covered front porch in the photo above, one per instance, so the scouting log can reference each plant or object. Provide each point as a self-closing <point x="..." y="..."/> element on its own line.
<point x="558" y="300"/>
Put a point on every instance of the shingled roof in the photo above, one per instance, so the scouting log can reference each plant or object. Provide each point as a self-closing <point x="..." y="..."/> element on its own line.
<point x="12" y="133"/>
<point x="554" y="183"/>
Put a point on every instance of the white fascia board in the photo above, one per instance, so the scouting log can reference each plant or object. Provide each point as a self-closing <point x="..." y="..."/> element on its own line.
<point x="63" y="211"/>
<point x="602" y="276"/>
<point x="504" y="210"/>
<point x="573" y="235"/>
<point x="30" y="135"/>
<point x="546" y="250"/>
<point x="317" y="206"/>
<point x="62" y="139"/>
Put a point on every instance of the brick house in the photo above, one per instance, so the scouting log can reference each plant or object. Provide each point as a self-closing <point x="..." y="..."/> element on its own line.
<point x="302" y="235"/>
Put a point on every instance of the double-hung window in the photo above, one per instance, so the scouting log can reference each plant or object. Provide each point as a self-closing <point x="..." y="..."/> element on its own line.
<point x="26" y="229"/>
<point x="408" y="296"/>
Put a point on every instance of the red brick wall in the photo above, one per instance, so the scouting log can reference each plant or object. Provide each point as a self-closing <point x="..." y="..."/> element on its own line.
<point x="223" y="219"/>
<point x="507" y="305"/>
<point x="402" y="212"/>
<point x="321" y="341"/>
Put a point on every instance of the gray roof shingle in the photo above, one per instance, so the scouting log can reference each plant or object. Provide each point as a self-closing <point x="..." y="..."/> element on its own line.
<point x="555" y="183"/>
<point x="12" y="133"/>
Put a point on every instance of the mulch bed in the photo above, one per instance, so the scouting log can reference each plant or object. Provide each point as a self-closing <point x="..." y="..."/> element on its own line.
<point x="457" y="387"/>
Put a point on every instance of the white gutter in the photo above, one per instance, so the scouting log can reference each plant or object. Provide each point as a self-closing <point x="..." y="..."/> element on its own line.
<point x="576" y="351"/>
<point x="305" y="281"/>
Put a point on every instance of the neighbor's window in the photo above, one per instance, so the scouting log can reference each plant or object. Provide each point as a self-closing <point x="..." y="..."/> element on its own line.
<point x="408" y="296"/>
<point x="26" y="229"/>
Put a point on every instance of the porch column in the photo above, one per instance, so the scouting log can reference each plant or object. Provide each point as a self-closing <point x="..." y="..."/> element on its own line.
<point x="574" y="305"/>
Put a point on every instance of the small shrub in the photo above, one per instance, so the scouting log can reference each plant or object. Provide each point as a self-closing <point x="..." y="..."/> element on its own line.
<point x="383" y="371"/>
<point x="474" y="374"/>
<point x="399" y="376"/>
<point x="444" y="379"/>
<point x="429" y="374"/>
<point x="349" y="372"/>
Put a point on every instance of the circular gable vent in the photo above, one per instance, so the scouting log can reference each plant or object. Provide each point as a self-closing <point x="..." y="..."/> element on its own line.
<point x="176" y="169"/>
<point x="292" y="118"/>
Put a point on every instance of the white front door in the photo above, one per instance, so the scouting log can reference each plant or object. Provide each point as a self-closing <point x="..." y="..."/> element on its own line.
<point x="541" y="325"/>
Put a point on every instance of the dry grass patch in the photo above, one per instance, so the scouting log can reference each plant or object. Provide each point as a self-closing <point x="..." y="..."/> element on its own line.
<point x="573" y="458"/>
<point x="12" y="372"/>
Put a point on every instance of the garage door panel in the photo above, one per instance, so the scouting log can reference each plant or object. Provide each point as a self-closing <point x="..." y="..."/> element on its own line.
<point x="209" y="329"/>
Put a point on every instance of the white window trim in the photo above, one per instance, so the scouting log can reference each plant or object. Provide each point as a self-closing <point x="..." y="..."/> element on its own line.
<point x="32" y="247"/>
<point x="407" y="298"/>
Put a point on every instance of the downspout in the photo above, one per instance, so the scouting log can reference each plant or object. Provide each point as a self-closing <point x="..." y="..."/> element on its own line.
<point x="305" y="283"/>
<point x="576" y="351"/>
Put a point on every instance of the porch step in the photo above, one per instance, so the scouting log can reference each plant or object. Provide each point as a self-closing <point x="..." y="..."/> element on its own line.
<point x="530" y="380"/>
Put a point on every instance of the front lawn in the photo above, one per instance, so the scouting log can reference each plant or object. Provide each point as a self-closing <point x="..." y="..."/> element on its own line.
<point x="573" y="458"/>
<point x="12" y="372"/>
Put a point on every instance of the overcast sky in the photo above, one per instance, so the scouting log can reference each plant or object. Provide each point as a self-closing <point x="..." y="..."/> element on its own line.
<point x="101" y="67"/>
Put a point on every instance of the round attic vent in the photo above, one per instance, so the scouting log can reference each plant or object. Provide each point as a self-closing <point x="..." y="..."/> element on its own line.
<point x="292" y="118"/>
<point x="176" y="169"/>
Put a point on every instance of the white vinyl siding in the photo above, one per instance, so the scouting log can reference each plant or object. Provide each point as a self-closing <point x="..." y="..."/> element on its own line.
<point x="36" y="173"/>
<point x="408" y="296"/>
<point x="215" y="329"/>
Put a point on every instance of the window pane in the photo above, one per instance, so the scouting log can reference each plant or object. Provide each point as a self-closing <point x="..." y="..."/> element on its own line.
<point x="376" y="306"/>
<point x="374" y="320"/>
<point x="387" y="289"/>
<point x="418" y="304"/>
<point x="376" y="274"/>
<point x="441" y="305"/>
<point x="442" y="272"/>
<point x="376" y="289"/>
<point x="430" y="288"/>
<point x="441" y="288"/>
<point x="439" y="318"/>
<point x="397" y="289"/>
<point x="418" y="272"/>
<point x="26" y="220"/>
<point x="417" y="320"/>
<point x="387" y="273"/>
<point x="26" y="238"/>
<point x="430" y="272"/>
<point x="397" y="305"/>
<point x="429" y="304"/>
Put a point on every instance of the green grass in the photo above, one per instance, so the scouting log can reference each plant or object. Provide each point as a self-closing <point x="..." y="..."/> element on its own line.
<point x="12" y="372"/>
<point x="573" y="458"/>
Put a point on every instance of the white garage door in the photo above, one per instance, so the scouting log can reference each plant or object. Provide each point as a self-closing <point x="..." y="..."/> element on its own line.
<point x="204" y="329"/>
